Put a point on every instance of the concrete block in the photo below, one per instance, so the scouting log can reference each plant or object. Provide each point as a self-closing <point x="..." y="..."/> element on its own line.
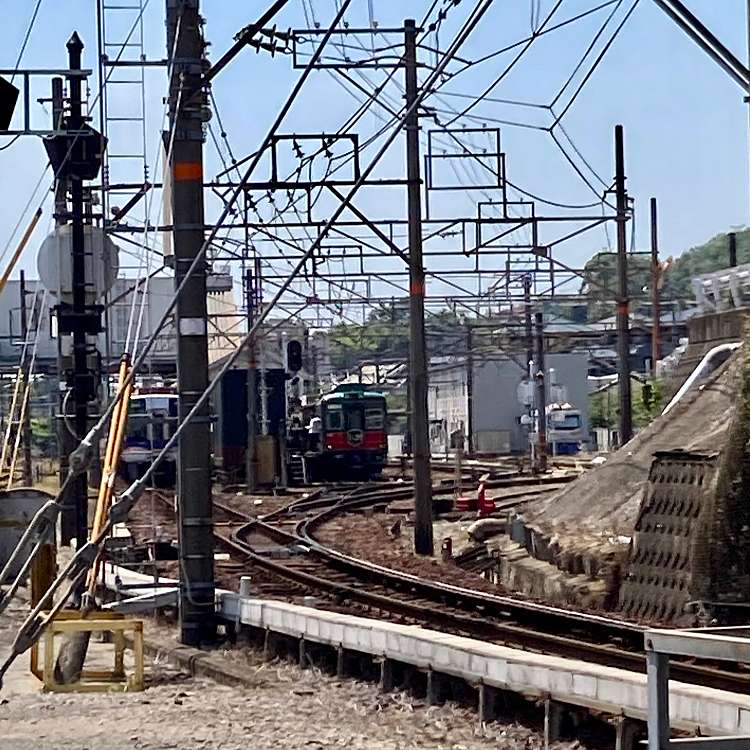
<point x="393" y="641"/>
<point x="364" y="639"/>
<point x="560" y="682"/>
<point x="478" y="665"/>
<point x="422" y="648"/>
<point x="442" y="656"/>
<point x="498" y="671"/>
<point x="584" y="685"/>
<point x="613" y="691"/>
<point x="378" y="639"/>
<point x="521" y="675"/>
<point x="459" y="660"/>
<point x="325" y="632"/>
<point x="715" y="714"/>
<point x="312" y="627"/>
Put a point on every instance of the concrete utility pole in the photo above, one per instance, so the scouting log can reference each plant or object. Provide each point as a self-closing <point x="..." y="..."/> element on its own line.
<point x="82" y="377"/>
<point x="540" y="396"/>
<point x="194" y="502"/>
<point x="251" y="455"/>
<point x="527" y="322"/>
<point x="420" y="430"/>
<point x="623" y="300"/>
<point x="655" y="291"/>
<point x="28" y="479"/>
<point x="469" y="389"/>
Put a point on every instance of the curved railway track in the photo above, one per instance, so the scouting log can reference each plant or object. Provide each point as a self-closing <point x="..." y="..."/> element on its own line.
<point x="360" y="584"/>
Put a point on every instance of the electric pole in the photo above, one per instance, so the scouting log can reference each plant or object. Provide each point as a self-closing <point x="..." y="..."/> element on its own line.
<point x="65" y="440"/>
<point x="623" y="300"/>
<point x="655" y="291"/>
<point x="251" y="456"/>
<point x="527" y="322"/>
<point x="469" y="389"/>
<point x="194" y="502"/>
<point x="27" y="374"/>
<point x="420" y="431"/>
<point x="732" y="249"/>
<point x="540" y="396"/>
<point x="83" y="384"/>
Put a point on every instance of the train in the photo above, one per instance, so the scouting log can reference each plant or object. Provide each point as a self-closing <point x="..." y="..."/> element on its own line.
<point x="341" y="436"/>
<point x="152" y="420"/>
<point x="564" y="429"/>
<point x="346" y="436"/>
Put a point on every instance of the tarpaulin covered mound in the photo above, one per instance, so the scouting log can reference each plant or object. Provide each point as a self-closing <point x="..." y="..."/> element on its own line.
<point x="604" y="503"/>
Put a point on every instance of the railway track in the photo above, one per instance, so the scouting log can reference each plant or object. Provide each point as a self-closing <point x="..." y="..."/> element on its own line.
<point x="350" y="582"/>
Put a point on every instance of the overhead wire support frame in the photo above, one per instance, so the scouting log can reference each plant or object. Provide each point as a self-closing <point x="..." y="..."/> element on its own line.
<point x="27" y="74"/>
<point x="36" y="622"/>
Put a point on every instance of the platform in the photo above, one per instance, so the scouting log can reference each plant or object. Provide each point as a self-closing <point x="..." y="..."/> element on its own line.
<point x="612" y="691"/>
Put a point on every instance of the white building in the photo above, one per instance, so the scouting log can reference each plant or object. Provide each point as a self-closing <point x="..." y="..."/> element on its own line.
<point x="494" y="417"/>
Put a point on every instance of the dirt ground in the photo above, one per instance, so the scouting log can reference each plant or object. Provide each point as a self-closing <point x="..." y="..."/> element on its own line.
<point x="372" y="538"/>
<point x="284" y="707"/>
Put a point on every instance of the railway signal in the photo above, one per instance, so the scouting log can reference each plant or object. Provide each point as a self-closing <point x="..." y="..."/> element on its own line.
<point x="294" y="356"/>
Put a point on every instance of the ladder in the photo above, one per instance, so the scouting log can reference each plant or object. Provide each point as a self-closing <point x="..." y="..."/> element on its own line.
<point x="122" y="113"/>
<point x="123" y="121"/>
<point x="296" y="472"/>
<point x="10" y="471"/>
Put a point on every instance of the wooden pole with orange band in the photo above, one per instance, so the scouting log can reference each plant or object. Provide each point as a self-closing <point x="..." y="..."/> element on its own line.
<point x="623" y="298"/>
<point x="420" y="430"/>
<point x="655" y="290"/>
<point x="195" y="507"/>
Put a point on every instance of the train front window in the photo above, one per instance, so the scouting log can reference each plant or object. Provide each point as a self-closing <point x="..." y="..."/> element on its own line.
<point x="334" y="418"/>
<point x="138" y="428"/>
<point x="566" y="422"/>
<point x="374" y="419"/>
<point x="354" y="418"/>
<point x="137" y="406"/>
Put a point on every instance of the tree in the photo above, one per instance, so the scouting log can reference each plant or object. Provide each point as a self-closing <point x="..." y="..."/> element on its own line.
<point x="710" y="256"/>
<point x="386" y="335"/>
<point x="604" y="406"/>
<point x="600" y="284"/>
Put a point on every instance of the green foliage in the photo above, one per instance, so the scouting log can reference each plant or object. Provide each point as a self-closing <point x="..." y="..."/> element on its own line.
<point x="647" y="402"/>
<point x="385" y="335"/>
<point x="603" y="409"/>
<point x="600" y="282"/>
<point x="646" y="399"/>
<point x="599" y="286"/>
<point x="42" y="435"/>
<point x="711" y="256"/>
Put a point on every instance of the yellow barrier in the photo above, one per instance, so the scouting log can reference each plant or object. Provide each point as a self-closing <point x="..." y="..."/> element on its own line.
<point x="92" y="680"/>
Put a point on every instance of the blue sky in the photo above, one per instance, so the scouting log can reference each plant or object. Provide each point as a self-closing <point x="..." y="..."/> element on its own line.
<point x="686" y="125"/>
